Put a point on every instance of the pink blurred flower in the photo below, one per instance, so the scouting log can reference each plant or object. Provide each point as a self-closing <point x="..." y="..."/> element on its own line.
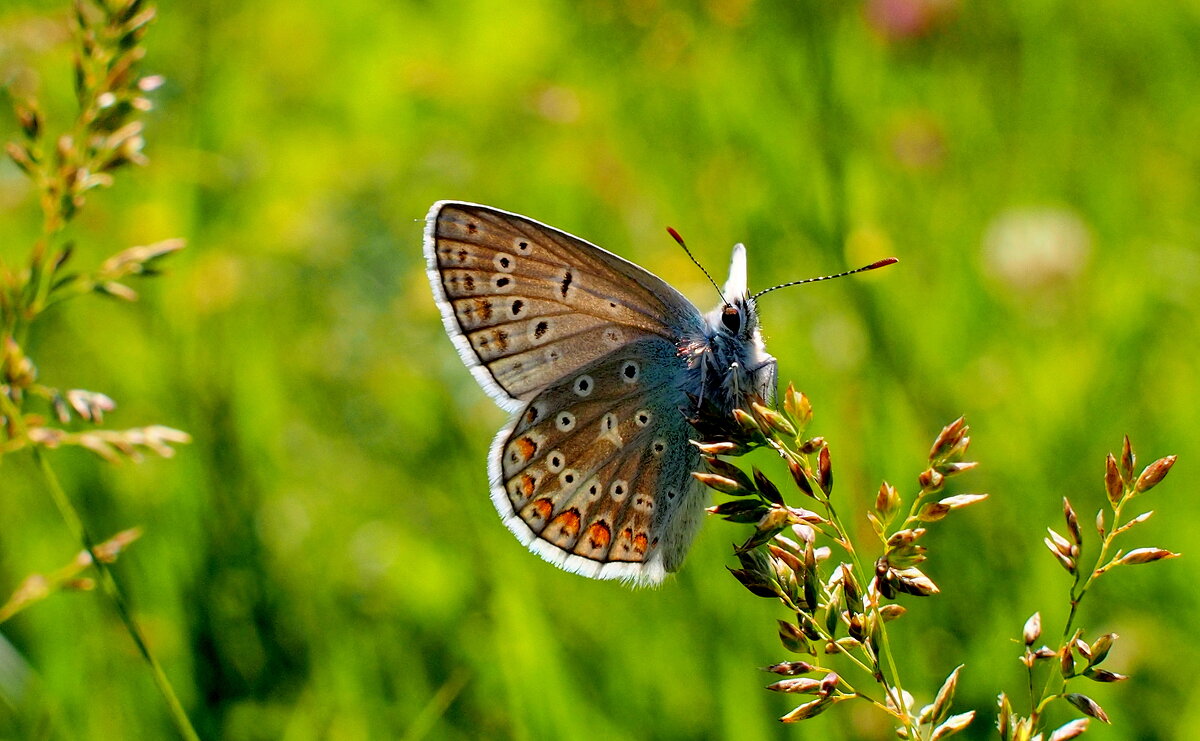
<point x="905" y="19"/>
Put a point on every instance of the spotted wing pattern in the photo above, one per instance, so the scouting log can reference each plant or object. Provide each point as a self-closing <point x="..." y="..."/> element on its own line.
<point x="594" y="474"/>
<point x="527" y="304"/>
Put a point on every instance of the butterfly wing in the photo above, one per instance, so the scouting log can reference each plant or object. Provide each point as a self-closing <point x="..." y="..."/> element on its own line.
<point x="526" y="304"/>
<point x="594" y="475"/>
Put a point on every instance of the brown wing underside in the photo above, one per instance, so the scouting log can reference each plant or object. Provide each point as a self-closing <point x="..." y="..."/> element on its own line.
<point x="534" y="304"/>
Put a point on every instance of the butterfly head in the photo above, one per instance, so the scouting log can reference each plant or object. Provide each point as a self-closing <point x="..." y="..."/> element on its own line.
<point x="737" y="317"/>
<point x="737" y="363"/>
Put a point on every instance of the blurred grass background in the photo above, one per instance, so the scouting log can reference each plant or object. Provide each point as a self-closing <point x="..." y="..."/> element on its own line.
<point x="323" y="562"/>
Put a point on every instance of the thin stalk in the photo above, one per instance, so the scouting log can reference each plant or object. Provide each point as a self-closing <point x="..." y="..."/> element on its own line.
<point x="885" y="646"/>
<point x="895" y="689"/>
<point x="816" y="624"/>
<point x="107" y="582"/>
<point x="1079" y="590"/>
<point x="115" y="595"/>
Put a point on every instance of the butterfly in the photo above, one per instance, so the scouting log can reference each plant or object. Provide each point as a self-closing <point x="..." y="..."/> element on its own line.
<point x="600" y="363"/>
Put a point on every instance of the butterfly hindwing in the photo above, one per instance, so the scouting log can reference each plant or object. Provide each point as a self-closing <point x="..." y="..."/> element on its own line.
<point x="594" y="474"/>
<point x="527" y="304"/>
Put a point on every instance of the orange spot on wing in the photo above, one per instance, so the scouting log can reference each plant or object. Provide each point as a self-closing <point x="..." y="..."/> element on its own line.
<point x="543" y="508"/>
<point x="568" y="521"/>
<point x="598" y="535"/>
<point x="527" y="485"/>
<point x="526" y="447"/>
<point x="639" y="542"/>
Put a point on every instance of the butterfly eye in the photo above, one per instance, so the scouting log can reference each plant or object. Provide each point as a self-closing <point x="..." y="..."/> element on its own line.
<point x="732" y="319"/>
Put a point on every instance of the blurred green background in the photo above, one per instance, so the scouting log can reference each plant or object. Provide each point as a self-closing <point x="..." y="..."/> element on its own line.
<point x="323" y="561"/>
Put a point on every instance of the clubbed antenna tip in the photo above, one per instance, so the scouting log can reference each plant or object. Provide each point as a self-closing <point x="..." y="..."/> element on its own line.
<point x="877" y="264"/>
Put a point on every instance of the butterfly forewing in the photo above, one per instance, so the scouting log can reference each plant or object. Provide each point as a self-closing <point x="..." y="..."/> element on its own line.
<point x="527" y="304"/>
<point x="595" y="473"/>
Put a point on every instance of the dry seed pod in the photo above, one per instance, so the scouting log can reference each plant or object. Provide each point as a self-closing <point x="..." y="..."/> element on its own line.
<point x="950" y="469"/>
<point x="912" y="581"/>
<point x="906" y="555"/>
<point x="1072" y="522"/>
<point x="1099" y="649"/>
<point x="1112" y="480"/>
<point x="1127" y="461"/>
<point x="930" y="480"/>
<point x="1104" y="675"/>
<point x="1154" y="473"/>
<point x="766" y="487"/>
<point x="933" y="511"/>
<point x="825" y="472"/>
<point x="729" y="471"/>
<point x="1145" y="555"/>
<point x="945" y="697"/>
<point x="720" y="483"/>
<point x="958" y="501"/>
<point x="904" y="537"/>
<point x="887" y="501"/>
<point x="808" y="710"/>
<point x="747" y="421"/>
<point x="952" y="725"/>
<point x="773" y="420"/>
<point x="1061" y="544"/>
<point x="850" y="587"/>
<point x="1081" y="646"/>
<point x="801" y="476"/>
<point x="788" y="559"/>
<point x="1004" y="716"/>
<point x="1065" y="559"/>
<point x="793" y="639"/>
<point x="949" y="438"/>
<point x="798" y="685"/>
<point x="1033" y="629"/>
<point x="1066" y="663"/>
<point x="721" y="448"/>
<point x="1087" y="706"/>
<point x="739" y="510"/>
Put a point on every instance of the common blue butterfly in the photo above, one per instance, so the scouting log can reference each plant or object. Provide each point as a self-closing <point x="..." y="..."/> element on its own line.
<point x="599" y="362"/>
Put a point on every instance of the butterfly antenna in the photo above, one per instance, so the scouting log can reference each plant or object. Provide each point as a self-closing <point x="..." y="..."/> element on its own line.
<point x="675" y="235"/>
<point x="877" y="264"/>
